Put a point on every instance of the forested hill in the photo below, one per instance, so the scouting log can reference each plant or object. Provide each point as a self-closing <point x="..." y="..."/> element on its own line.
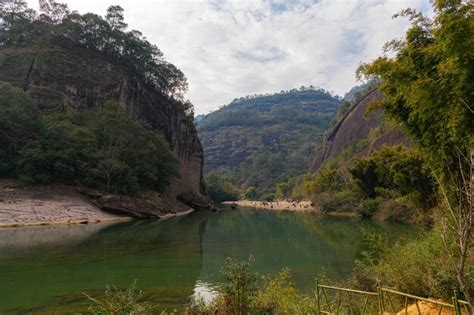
<point x="86" y="102"/>
<point x="258" y="141"/>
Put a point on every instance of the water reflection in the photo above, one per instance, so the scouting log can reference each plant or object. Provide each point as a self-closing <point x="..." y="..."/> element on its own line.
<point x="47" y="269"/>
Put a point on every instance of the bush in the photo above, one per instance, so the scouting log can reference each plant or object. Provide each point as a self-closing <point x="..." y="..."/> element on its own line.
<point x="368" y="207"/>
<point x="420" y="266"/>
<point x="220" y="189"/>
<point x="344" y="201"/>
<point x="398" y="169"/>
<point x="278" y="295"/>
<point x="243" y="291"/>
<point x="239" y="286"/>
<point x="120" y="302"/>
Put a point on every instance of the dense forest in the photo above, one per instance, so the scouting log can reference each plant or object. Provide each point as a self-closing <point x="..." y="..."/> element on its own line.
<point x="259" y="141"/>
<point x="101" y="148"/>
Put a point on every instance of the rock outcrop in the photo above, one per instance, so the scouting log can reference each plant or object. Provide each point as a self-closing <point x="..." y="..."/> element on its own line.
<point x="356" y="126"/>
<point x="59" y="77"/>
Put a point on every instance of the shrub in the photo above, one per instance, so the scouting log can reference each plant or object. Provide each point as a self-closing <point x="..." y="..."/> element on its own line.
<point x="220" y="189"/>
<point x="278" y="295"/>
<point x="118" y="302"/>
<point x="420" y="266"/>
<point x="239" y="285"/>
<point x="395" y="168"/>
<point x="341" y="202"/>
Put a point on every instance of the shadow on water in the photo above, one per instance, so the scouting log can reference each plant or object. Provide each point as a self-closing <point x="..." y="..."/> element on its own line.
<point x="47" y="269"/>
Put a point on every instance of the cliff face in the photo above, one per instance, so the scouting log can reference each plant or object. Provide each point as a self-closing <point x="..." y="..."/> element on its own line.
<point x="356" y="126"/>
<point x="59" y="77"/>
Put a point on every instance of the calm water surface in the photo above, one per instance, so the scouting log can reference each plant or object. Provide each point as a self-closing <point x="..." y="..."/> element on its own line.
<point x="47" y="269"/>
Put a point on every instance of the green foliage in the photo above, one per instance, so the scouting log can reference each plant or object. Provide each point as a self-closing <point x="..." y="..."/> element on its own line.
<point x="121" y="302"/>
<point x="327" y="180"/>
<point x="239" y="285"/>
<point x="245" y="292"/>
<point x="365" y="177"/>
<point x="343" y="201"/>
<point x="395" y="168"/>
<point x="264" y="110"/>
<point x="57" y="25"/>
<point x="428" y="86"/>
<point x="278" y="295"/>
<point x="103" y="148"/>
<point x="266" y="139"/>
<point x="419" y="266"/>
<point x="219" y="189"/>
<point x="19" y="121"/>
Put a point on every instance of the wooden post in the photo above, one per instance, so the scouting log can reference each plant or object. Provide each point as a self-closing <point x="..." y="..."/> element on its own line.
<point x="457" y="309"/>
<point x="380" y="297"/>
<point x="317" y="297"/>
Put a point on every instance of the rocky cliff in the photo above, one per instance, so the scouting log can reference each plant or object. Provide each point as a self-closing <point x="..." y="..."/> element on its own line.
<point x="59" y="77"/>
<point x="355" y="126"/>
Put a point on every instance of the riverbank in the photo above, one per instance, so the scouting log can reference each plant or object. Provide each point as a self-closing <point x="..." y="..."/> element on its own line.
<point x="275" y="205"/>
<point x="24" y="205"/>
<point x="301" y="206"/>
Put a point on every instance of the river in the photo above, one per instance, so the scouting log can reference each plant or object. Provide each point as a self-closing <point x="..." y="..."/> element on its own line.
<point x="47" y="269"/>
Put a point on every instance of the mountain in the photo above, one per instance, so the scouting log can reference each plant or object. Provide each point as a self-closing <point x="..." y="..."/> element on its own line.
<point x="87" y="82"/>
<point x="258" y="141"/>
<point x="358" y="130"/>
<point x="367" y="166"/>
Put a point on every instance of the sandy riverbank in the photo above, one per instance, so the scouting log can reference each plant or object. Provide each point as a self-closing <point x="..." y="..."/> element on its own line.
<point x="276" y="205"/>
<point x="23" y="205"/>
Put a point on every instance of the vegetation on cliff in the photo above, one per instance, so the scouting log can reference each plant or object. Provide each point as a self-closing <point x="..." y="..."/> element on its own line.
<point x="103" y="149"/>
<point x="258" y="141"/>
<point x="55" y="24"/>
<point x="79" y="138"/>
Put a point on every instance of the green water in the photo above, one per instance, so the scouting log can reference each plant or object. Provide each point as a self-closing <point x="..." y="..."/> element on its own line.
<point x="47" y="269"/>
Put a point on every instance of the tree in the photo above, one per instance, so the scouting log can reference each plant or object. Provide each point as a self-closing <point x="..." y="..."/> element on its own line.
<point x="429" y="91"/>
<point x="19" y="121"/>
<point x="55" y="11"/>
<point x="365" y="176"/>
<point x="115" y="18"/>
<point x="11" y="11"/>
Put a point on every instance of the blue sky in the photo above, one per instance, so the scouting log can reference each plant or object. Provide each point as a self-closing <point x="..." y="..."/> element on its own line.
<point x="229" y="49"/>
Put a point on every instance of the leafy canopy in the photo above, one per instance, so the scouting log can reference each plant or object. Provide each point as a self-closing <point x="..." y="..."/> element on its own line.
<point x="21" y="26"/>
<point x="428" y="84"/>
<point x="103" y="148"/>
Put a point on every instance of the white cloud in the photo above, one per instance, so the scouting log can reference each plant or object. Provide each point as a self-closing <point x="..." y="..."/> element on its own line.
<point x="229" y="49"/>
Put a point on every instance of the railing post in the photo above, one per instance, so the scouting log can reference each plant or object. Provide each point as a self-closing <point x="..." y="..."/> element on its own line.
<point x="457" y="309"/>
<point x="317" y="297"/>
<point x="380" y="297"/>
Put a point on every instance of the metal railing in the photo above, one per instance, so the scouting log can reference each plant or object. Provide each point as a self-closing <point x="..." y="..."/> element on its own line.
<point x="357" y="302"/>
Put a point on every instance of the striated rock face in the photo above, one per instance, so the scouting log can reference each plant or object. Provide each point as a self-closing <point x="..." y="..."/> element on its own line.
<point x="356" y="126"/>
<point x="59" y="77"/>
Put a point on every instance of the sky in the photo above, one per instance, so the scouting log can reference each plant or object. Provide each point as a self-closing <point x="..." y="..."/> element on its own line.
<point x="228" y="49"/>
